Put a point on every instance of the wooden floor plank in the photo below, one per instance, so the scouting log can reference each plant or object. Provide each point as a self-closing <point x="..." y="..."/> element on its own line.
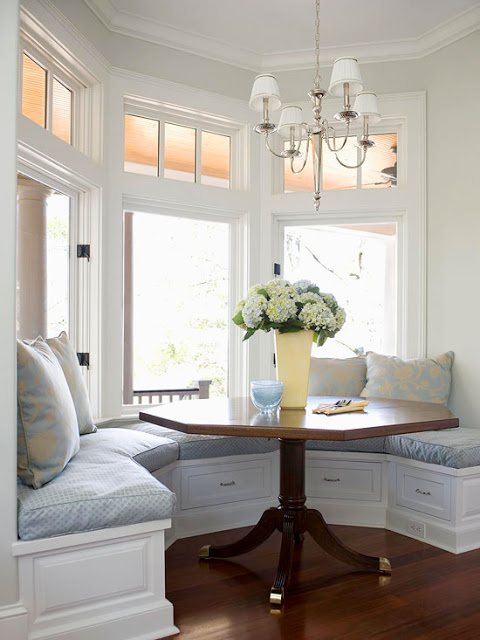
<point x="431" y="595"/>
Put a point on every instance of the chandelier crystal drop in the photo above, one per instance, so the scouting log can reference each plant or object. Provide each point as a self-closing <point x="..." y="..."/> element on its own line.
<point x="299" y="137"/>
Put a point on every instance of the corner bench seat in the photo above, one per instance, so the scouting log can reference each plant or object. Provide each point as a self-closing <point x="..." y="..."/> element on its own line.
<point x="107" y="484"/>
<point x="456" y="448"/>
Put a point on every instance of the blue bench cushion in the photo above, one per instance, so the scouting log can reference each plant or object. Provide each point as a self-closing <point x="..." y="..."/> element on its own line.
<point x="194" y="446"/>
<point x="365" y="445"/>
<point x="457" y="448"/>
<point x="103" y="486"/>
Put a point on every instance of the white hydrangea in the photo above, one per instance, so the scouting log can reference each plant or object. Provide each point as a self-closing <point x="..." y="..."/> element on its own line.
<point x="281" y="308"/>
<point x="309" y="296"/>
<point x="340" y="317"/>
<point x="279" y="287"/>
<point x="329" y="299"/>
<point x="301" y="286"/>
<point x="253" y="310"/>
<point x="317" y="315"/>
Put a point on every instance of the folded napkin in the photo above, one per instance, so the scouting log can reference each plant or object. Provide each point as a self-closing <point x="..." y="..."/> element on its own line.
<point x="330" y="409"/>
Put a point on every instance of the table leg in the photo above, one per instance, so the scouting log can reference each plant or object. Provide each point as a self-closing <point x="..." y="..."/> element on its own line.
<point x="260" y="532"/>
<point x="285" y="561"/>
<point x="320" y="532"/>
<point x="293" y="519"/>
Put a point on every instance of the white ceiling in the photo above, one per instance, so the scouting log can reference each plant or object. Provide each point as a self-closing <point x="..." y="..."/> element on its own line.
<point x="278" y="34"/>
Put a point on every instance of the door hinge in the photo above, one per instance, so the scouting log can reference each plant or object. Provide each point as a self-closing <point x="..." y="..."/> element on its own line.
<point x="274" y="361"/>
<point x="277" y="269"/>
<point x="84" y="359"/>
<point x="83" y="251"/>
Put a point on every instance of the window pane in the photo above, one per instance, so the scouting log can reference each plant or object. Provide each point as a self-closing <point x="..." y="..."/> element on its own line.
<point x="61" y="111"/>
<point x="298" y="181"/>
<point x="215" y="160"/>
<point x="43" y="254"/>
<point x="336" y="177"/>
<point x="179" y="153"/>
<point x="141" y="145"/>
<point x="58" y="253"/>
<point x="380" y="167"/>
<point x="357" y="263"/>
<point x="34" y="91"/>
<point x="177" y="322"/>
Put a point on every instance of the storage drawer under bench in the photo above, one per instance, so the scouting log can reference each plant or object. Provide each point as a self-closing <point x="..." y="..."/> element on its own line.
<point x="210" y="484"/>
<point x="424" y="491"/>
<point x="344" y="479"/>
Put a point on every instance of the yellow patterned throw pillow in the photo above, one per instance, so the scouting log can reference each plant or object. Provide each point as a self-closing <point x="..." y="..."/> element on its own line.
<point x="422" y="379"/>
<point x="337" y="376"/>
<point x="47" y="426"/>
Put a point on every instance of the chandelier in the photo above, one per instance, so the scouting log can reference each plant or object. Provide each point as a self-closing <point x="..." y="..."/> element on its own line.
<point x="298" y="136"/>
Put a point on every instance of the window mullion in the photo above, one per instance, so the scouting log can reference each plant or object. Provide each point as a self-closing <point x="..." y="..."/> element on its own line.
<point x="161" y="147"/>
<point x="198" y="155"/>
<point x="49" y="101"/>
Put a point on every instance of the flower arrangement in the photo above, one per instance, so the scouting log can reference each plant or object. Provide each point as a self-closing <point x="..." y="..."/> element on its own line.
<point x="289" y="307"/>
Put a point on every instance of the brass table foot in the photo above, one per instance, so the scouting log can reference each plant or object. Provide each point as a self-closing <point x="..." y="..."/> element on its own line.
<point x="276" y="596"/>
<point x="384" y="565"/>
<point x="204" y="552"/>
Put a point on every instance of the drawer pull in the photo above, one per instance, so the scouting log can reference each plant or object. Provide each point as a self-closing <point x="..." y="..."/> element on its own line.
<point x="424" y="493"/>
<point x="331" y="479"/>
<point x="227" y="484"/>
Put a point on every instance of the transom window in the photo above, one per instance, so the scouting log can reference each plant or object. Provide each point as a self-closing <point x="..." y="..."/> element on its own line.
<point x="379" y="171"/>
<point x="177" y="152"/>
<point x="47" y="99"/>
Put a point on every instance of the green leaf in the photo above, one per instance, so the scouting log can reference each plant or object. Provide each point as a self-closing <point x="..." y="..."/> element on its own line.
<point x="238" y="318"/>
<point x="248" y="334"/>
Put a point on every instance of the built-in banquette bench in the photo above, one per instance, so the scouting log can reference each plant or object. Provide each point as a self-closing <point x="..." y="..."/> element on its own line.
<point x="91" y="548"/>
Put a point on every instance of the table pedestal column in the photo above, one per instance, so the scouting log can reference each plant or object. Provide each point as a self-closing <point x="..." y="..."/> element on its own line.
<point x="293" y="519"/>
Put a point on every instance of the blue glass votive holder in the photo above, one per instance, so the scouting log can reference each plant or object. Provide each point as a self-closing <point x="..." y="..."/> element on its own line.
<point x="266" y="394"/>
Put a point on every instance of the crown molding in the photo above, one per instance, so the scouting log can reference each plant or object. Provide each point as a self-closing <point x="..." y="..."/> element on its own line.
<point x="134" y="25"/>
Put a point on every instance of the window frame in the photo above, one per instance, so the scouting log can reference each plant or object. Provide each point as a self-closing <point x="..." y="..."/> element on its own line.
<point x="392" y="127"/>
<point x="399" y="320"/>
<point x="237" y="355"/>
<point x="67" y="79"/>
<point x="199" y="122"/>
<point x="84" y="275"/>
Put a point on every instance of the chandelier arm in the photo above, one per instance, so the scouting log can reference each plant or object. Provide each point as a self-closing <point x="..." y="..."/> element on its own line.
<point x="354" y="166"/>
<point x="304" y="161"/>
<point x="327" y="138"/>
<point x="278" y="155"/>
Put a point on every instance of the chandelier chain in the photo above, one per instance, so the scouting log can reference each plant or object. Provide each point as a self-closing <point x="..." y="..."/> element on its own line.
<point x="317" y="44"/>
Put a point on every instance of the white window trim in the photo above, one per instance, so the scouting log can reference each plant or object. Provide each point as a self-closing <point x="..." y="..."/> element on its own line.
<point x="402" y="323"/>
<point x="200" y="122"/>
<point x="407" y="202"/>
<point x="86" y="85"/>
<point x="237" y="356"/>
<point x="85" y="277"/>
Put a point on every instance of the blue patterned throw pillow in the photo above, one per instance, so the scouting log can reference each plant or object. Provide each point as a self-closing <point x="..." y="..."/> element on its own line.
<point x="47" y="426"/>
<point x="422" y="379"/>
<point x="67" y="358"/>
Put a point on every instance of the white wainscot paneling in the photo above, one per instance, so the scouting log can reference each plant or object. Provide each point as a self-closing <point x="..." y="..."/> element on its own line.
<point x="97" y="585"/>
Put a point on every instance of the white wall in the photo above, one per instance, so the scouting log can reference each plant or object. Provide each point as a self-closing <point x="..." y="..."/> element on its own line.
<point x="453" y="140"/>
<point x="8" y="447"/>
<point x="450" y="78"/>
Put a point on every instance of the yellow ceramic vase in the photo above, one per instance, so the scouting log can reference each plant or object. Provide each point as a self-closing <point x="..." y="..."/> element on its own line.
<point x="292" y="356"/>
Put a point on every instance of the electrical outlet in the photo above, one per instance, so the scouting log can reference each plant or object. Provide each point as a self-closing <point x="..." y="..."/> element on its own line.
<point x="416" y="528"/>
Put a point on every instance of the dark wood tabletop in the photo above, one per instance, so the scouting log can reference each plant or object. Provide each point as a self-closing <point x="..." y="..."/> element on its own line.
<point x="238" y="417"/>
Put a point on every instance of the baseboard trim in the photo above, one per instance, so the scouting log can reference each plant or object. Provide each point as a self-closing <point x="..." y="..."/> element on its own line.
<point x="14" y="622"/>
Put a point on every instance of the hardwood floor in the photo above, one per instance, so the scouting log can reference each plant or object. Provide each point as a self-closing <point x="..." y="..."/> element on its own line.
<point x="431" y="594"/>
